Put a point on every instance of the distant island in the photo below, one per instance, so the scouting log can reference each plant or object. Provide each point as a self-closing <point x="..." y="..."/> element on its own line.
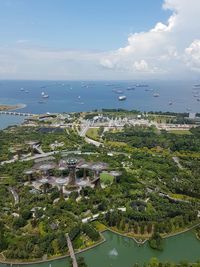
<point x="5" y="107"/>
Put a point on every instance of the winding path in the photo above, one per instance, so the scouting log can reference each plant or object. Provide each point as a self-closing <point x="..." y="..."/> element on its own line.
<point x="15" y="195"/>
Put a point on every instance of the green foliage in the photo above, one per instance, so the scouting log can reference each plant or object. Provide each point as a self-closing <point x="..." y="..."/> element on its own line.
<point x="155" y="241"/>
<point x="81" y="262"/>
<point x="148" y="137"/>
<point x="147" y="190"/>
<point x="91" y="232"/>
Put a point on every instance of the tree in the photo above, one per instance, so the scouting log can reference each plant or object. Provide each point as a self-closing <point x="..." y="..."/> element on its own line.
<point x="81" y="262"/>
<point x="156" y="241"/>
<point x="3" y="242"/>
<point x="154" y="262"/>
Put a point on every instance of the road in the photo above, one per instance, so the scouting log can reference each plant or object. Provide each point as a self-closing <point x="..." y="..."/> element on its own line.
<point x="93" y="142"/>
<point x="85" y="129"/>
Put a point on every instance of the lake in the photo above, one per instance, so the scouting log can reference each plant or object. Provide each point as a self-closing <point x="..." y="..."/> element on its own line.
<point x="120" y="251"/>
<point x="8" y="120"/>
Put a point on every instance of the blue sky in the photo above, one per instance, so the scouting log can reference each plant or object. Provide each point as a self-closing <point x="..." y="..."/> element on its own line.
<point x="93" y="39"/>
<point x="77" y="24"/>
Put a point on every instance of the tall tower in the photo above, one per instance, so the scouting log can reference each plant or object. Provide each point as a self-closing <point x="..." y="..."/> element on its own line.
<point x="61" y="182"/>
<point x="29" y="173"/>
<point x="44" y="182"/>
<point x="98" y="168"/>
<point x="116" y="175"/>
<point x="71" y="164"/>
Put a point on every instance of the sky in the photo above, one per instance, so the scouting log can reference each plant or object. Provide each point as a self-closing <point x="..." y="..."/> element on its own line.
<point x="102" y="40"/>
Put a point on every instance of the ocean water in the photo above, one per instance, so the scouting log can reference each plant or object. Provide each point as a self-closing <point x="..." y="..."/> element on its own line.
<point x="74" y="96"/>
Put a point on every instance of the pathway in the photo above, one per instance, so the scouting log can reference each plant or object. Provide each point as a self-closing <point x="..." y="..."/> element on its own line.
<point x="176" y="160"/>
<point x="71" y="251"/>
<point x="93" y="142"/>
<point x="15" y="195"/>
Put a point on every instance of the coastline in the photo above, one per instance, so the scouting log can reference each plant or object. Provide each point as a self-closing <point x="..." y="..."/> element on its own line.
<point x="5" y="107"/>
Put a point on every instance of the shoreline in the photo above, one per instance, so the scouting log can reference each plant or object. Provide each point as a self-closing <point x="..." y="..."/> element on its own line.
<point x="5" y="107"/>
<point x="126" y="235"/>
<point x="13" y="263"/>
<point x="182" y="232"/>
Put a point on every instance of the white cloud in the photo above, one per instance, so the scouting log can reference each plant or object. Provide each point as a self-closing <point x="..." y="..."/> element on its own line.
<point x="192" y="55"/>
<point x="163" y="49"/>
<point x="141" y="65"/>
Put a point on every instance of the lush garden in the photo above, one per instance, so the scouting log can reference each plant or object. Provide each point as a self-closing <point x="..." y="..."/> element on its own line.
<point x="153" y="197"/>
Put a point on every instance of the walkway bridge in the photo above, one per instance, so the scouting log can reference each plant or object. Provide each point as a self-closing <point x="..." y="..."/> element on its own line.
<point x="71" y="251"/>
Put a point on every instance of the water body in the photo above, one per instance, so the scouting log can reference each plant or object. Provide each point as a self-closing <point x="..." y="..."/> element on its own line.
<point x="75" y="96"/>
<point x="8" y="120"/>
<point x="120" y="251"/>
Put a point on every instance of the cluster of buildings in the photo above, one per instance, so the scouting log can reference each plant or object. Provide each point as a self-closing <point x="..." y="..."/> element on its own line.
<point x="41" y="175"/>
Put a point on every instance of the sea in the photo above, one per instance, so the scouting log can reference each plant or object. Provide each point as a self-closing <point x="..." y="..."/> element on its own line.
<point x="76" y="96"/>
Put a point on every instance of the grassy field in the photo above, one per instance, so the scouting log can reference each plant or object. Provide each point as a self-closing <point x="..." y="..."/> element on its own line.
<point x="93" y="133"/>
<point x="99" y="226"/>
<point x="106" y="178"/>
<point x="183" y="132"/>
<point x="183" y="197"/>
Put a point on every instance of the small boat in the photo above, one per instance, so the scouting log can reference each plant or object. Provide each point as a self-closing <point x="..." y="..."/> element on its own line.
<point x="196" y="86"/>
<point x="170" y="103"/>
<point x="27" y="91"/>
<point x="122" y="97"/>
<point x="195" y="95"/>
<point x="156" y="94"/>
<point x="117" y="91"/>
<point x="21" y="89"/>
<point x="142" y="85"/>
<point x="45" y="96"/>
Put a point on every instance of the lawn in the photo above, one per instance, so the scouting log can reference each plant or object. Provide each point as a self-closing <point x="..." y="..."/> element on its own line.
<point x="106" y="178"/>
<point x="183" y="132"/>
<point x="99" y="226"/>
<point x="93" y="133"/>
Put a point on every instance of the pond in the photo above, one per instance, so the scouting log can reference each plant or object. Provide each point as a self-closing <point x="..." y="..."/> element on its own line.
<point x="120" y="251"/>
